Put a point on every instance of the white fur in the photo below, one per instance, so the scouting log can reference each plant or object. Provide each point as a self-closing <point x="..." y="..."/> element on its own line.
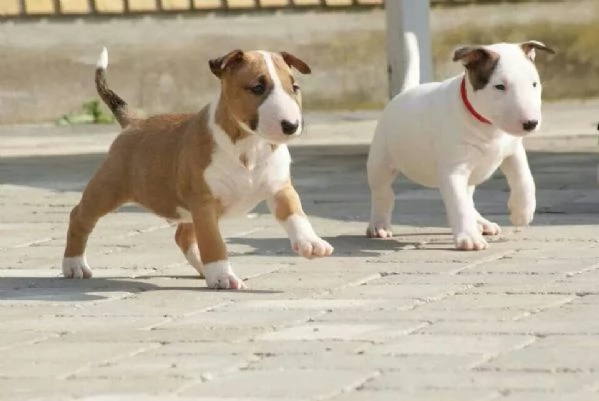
<point x="427" y="134"/>
<point x="412" y="72"/>
<point x="278" y="106"/>
<point x="103" y="59"/>
<point x="304" y="240"/>
<point x="184" y="215"/>
<point x="238" y="187"/>
<point x="220" y="275"/>
<point x="193" y="257"/>
<point x="76" y="267"/>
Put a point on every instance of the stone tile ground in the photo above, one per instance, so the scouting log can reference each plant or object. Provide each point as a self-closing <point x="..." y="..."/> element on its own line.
<point x="400" y="319"/>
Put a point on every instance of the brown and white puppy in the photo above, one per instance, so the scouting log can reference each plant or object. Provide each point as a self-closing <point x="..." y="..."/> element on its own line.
<point x="195" y="169"/>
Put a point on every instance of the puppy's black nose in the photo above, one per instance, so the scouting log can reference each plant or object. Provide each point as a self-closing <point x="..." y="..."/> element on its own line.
<point x="530" y="125"/>
<point x="288" y="127"/>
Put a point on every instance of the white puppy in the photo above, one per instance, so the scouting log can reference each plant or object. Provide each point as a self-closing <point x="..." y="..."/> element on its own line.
<point x="453" y="135"/>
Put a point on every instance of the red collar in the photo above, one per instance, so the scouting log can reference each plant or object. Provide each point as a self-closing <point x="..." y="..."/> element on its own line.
<point x="469" y="105"/>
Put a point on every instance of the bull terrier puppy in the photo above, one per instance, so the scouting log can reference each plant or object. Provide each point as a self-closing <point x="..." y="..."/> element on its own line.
<point x="195" y="169"/>
<point x="454" y="134"/>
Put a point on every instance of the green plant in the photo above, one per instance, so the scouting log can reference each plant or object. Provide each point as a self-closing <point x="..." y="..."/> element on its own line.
<point x="91" y="112"/>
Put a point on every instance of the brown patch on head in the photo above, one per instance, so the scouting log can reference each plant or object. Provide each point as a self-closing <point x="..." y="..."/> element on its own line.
<point x="286" y="77"/>
<point x="529" y="48"/>
<point x="480" y="64"/>
<point x="245" y="83"/>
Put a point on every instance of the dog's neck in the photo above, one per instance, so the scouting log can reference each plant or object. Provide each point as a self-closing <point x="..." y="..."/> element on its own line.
<point x="224" y="118"/>
<point x="468" y="104"/>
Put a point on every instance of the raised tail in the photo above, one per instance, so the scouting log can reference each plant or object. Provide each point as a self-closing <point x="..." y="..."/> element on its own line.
<point x="117" y="105"/>
<point x="412" y="54"/>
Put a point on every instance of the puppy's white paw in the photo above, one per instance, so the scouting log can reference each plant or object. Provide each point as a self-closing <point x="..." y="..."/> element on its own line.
<point x="487" y="227"/>
<point x="220" y="275"/>
<point x="304" y="240"/>
<point x="379" y="230"/>
<point x="470" y="240"/>
<point x="76" y="267"/>
<point x="311" y="248"/>
<point x="522" y="209"/>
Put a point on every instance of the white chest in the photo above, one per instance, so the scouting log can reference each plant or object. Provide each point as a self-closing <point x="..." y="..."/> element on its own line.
<point x="487" y="159"/>
<point x="243" y="178"/>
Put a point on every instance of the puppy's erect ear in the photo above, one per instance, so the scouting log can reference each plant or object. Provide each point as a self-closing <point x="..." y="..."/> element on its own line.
<point x="472" y="56"/>
<point x="529" y="48"/>
<point x="220" y="64"/>
<point x="293" y="61"/>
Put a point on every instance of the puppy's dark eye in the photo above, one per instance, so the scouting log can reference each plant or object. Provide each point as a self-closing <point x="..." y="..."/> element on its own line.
<point x="296" y="87"/>
<point x="500" y="87"/>
<point x="258" y="89"/>
<point x="534" y="84"/>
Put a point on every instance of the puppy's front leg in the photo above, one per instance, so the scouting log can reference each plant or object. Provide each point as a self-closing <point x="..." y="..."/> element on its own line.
<point x="522" y="202"/>
<point x="213" y="251"/>
<point x="460" y="210"/>
<point x="286" y="206"/>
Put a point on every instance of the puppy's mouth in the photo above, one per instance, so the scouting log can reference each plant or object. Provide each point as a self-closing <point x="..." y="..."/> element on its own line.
<point x="521" y="133"/>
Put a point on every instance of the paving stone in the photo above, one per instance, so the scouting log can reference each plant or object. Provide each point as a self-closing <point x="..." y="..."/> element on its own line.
<point x="452" y="345"/>
<point x="219" y="318"/>
<point x="329" y="331"/>
<point x="260" y="348"/>
<point x="481" y="380"/>
<point x="28" y="389"/>
<point x="368" y="358"/>
<point x="491" y="302"/>
<point x="419" y="395"/>
<point x="144" y="365"/>
<point x="530" y="326"/>
<point x="545" y="396"/>
<point x="401" y="292"/>
<point x="142" y="397"/>
<point x="306" y="303"/>
<point x="551" y="354"/>
<point x="292" y="383"/>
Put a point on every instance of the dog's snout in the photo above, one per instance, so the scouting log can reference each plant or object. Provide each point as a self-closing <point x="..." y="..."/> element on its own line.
<point x="288" y="127"/>
<point x="530" y="125"/>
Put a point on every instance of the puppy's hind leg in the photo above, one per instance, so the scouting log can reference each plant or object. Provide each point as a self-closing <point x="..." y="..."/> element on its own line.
<point x="381" y="175"/>
<point x="485" y="226"/>
<point x="103" y="194"/>
<point x="186" y="239"/>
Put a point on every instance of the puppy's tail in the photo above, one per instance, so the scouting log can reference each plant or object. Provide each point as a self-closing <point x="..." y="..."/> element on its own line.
<point x="117" y="105"/>
<point x="412" y="54"/>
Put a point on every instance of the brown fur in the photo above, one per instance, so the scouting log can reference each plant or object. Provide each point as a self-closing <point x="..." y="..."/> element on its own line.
<point x="287" y="202"/>
<point x="480" y="64"/>
<point x="159" y="162"/>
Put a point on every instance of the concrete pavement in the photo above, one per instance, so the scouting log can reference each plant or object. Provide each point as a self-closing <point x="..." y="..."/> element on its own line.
<point x="400" y="319"/>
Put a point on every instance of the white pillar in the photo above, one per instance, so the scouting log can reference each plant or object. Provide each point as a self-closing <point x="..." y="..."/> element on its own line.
<point x="407" y="16"/>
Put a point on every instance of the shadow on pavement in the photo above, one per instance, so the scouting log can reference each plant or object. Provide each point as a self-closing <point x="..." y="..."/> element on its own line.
<point x="332" y="183"/>
<point x="357" y="246"/>
<point x="56" y="289"/>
